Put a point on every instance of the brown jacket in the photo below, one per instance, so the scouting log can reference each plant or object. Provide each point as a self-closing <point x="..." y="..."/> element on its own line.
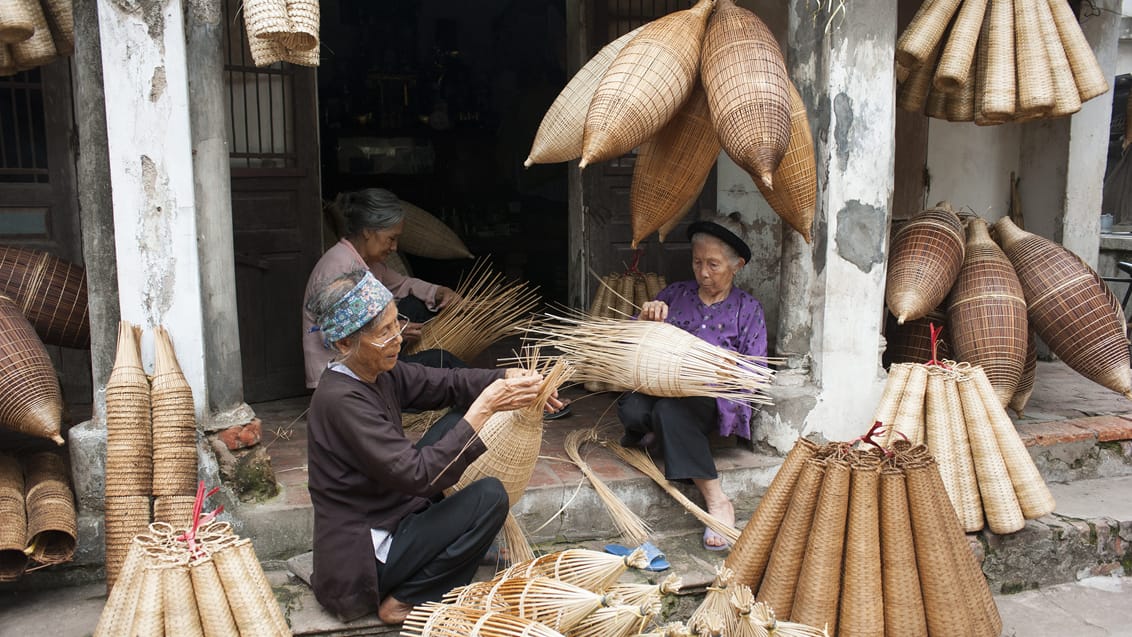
<point x="364" y="473"/>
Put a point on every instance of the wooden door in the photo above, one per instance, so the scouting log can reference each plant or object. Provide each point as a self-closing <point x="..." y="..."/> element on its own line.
<point x="605" y="187"/>
<point x="276" y="211"/>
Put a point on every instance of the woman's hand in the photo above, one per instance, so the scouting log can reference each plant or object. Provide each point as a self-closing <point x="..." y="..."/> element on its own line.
<point x="412" y="333"/>
<point x="653" y="311"/>
<point x="553" y="404"/>
<point x="445" y="297"/>
<point x="505" y="394"/>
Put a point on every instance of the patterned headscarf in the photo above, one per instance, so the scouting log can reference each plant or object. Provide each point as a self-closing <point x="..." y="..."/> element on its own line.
<point x="356" y="308"/>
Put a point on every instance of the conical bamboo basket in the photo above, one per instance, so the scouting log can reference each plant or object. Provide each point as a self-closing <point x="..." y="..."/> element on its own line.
<point x="923" y="263"/>
<point x="1070" y="307"/>
<point x="31" y="402"/>
<point x="893" y="392"/>
<point x="39" y="49"/>
<point x="862" y="596"/>
<point x="794" y="197"/>
<point x="17" y="21"/>
<point x="150" y="615"/>
<point x="936" y="105"/>
<point x="999" y="500"/>
<point x="1026" y="382"/>
<point x="60" y="17"/>
<point x="955" y="68"/>
<point x="208" y="591"/>
<point x="121" y="604"/>
<point x="614" y="621"/>
<point x="555" y="604"/>
<point x="913" y="93"/>
<point x="51" y="293"/>
<point x="426" y="236"/>
<point x="903" y="600"/>
<point x="627" y="108"/>
<point x="909" y="418"/>
<point x="592" y="570"/>
<point x="748" y="91"/>
<point x="961" y="103"/>
<point x="968" y="502"/>
<point x="1091" y="79"/>
<point x="912" y="341"/>
<point x="13" y="529"/>
<point x="128" y="421"/>
<point x="440" y="620"/>
<point x="266" y="19"/>
<point x="182" y="616"/>
<point x="51" y="526"/>
<point x="126" y="516"/>
<point x="819" y="581"/>
<point x="997" y="93"/>
<point x="780" y="583"/>
<point x="252" y="603"/>
<point x="1066" y="98"/>
<point x="925" y="32"/>
<point x="559" y="136"/>
<point x="174" y="424"/>
<point x="1035" y="84"/>
<point x="986" y="314"/>
<point x="672" y="167"/>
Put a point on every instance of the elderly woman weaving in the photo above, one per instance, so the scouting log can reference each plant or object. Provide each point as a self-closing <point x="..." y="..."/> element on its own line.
<point x="384" y="538"/>
<point x="712" y="308"/>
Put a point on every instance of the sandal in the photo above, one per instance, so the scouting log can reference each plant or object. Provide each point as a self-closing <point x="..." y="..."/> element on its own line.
<point x="657" y="560"/>
<point x="710" y="534"/>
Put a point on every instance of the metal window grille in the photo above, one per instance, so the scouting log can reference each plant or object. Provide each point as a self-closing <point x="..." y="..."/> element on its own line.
<point x="23" y="136"/>
<point x="626" y="15"/>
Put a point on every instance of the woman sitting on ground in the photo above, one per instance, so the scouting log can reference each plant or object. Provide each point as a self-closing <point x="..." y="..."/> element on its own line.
<point x="384" y="537"/>
<point x="712" y="308"/>
<point x="373" y="220"/>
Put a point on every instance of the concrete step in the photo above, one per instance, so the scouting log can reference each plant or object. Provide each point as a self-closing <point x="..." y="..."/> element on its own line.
<point x="1082" y="448"/>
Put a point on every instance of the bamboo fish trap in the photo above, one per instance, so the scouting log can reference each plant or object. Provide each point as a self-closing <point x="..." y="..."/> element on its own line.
<point x="591" y="570"/>
<point x="1070" y="308"/>
<point x="13" y="530"/>
<point x="555" y="604"/>
<point x="51" y="293"/>
<point x="757" y="619"/>
<point x="672" y="167"/>
<point x="174" y="423"/>
<point x="641" y="594"/>
<point x="655" y="358"/>
<point x="489" y="309"/>
<point x="924" y="262"/>
<point x="627" y="108"/>
<point x="716" y="606"/>
<point x="426" y="236"/>
<point x="51" y="526"/>
<point x="912" y="341"/>
<point x="748" y="91"/>
<point x="31" y="403"/>
<point x="615" y="621"/>
<point x="559" y="136"/>
<point x="794" y="197"/>
<point x="441" y="620"/>
<point x="16" y="21"/>
<point x="39" y="49"/>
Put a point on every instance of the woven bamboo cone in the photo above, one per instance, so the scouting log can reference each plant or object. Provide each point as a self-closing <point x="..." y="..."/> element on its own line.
<point x="182" y="617"/>
<point x="968" y="503"/>
<point x="925" y="258"/>
<point x="557" y="605"/>
<point x="1066" y="98"/>
<point x="51" y="526"/>
<point x="60" y="17"/>
<point x="426" y="236"/>
<point x="51" y="293"/>
<point x="121" y="604"/>
<point x="267" y="19"/>
<point x="149" y="619"/>
<point x="1035" y="84"/>
<point x="987" y="312"/>
<point x="17" y="21"/>
<point x="1026" y="382"/>
<point x="925" y="32"/>
<point x="1070" y="308"/>
<point x="602" y="295"/>
<point x="128" y="418"/>
<point x="862" y="597"/>
<point x="955" y="67"/>
<point x="747" y="87"/>
<point x="1034" y="496"/>
<point x="39" y="49"/>
<point x="903" y="600"/>
<point x="592" y="570"/>
<point x="441" y="620"/>
<point x="13" y="528"/>
<point x="559" y="136"/>
<point x="250" y="608"/>
<point x="627" y="108"/>
<point x="243" y="550"/>
<point x="937" y="422"/>
<point x="125" y="518"/>
<point x="794" y="197"/>
<point x="936" y="105"/>
<point x="640" y="292"/>
<point x="1091" y="80"/>
<point x="654" y="283"/>
<point x="174" y="423"/>
<point x="997" y="94"/>
<point x="981" y="65"/>
<point x="999" y="501"/>
<point x="215" y="614"/>
<point x="913" y="93"/>
<point x="961" y="103"/>
<point x="672" y="167"/>
<point x="819" y="581"/>
<point x="893" y="391"/>
<point x="303" y="34"/>
<point x="751" y="552"/>
<point x="31" y="403"/>
<point x="909" y="419"/>
<point x="623" y="298"/>
<point x="781" y="579"/>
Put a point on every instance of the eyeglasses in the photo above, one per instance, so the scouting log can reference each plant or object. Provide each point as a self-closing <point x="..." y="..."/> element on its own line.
<point x="399" y="327"/>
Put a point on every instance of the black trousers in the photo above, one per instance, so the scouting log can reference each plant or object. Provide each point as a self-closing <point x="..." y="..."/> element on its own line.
<point x="682" y="427"/>
<point x="417" y="312"/>
<point x="440" y="548"/>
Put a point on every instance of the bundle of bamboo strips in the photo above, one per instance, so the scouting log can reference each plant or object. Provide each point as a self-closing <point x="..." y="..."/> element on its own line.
<point x="994" y="61"/>
<point x="608" y="302"/>
<point x="629" y="524"/>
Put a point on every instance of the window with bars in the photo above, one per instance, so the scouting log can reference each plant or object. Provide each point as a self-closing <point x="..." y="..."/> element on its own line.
<point x="625" y="15"/>
<point x="260" y="114"/>
<point x="23" y="137"/>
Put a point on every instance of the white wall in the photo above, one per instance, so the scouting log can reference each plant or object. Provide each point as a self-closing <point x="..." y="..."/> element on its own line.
<point x="970" y="165"/>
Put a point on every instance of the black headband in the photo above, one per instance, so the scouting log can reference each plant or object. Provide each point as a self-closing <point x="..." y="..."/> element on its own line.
<point x="724" y="235"/>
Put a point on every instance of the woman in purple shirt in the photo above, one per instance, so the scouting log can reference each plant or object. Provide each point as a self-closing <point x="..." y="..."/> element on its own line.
<point x="712" y="308"/>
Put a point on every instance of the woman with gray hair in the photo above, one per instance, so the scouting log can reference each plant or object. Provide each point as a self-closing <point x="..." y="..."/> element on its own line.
<point x="374" y="219"/>
<point x="385" y="537"/>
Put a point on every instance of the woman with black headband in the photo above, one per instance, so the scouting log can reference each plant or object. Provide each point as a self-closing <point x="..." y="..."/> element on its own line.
<point x="712" y="308"/>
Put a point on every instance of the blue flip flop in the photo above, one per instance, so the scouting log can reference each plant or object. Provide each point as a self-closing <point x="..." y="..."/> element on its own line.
<point x="657" y="560"/>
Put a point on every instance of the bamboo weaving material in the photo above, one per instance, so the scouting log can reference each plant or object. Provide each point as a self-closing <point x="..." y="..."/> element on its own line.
<point x="13" y="529"/>
<point x="968" y="502"/>
<point x="862" y="597"/>
<point x="615" y="621"/>
<point x="51" y="293"/>
<point x="955" y="67"/>
<point x="794" y="197"/>
<point x="1035" y="84"/>
<point x="715" y="616"/>
<point x="52" y="530"/>
<point x="592" y="570"/>
<point x="440" y="620"/>
<point x="781" y="580"/>
<point x="819" y="581"/>
<point x="925" y="31"/>
<point x="893" y="391"/>
<point x="1066" y="98"/>
<point x="555" y="604"/>
<point x="39" y="49"/>
<point x="999" y="500"/>
<point x="174" y="423"/>
<point x="31" y="402"/>
<point x="642" y="594"/>
<point x="426" y="236"/>
<point x="60" y="17"/>
<point x="17" y="22"/>
<point x="1091" y="80"/>
<point x="926" y="256"/>
<point x="903" y="600"/>
<point x="912" y="341"/>
<point x="629" y="524"/>
<point x="997" y="94"/>
<point x="909" y="418"/>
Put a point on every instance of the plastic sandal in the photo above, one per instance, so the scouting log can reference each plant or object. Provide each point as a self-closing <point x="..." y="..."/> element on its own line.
<point x="708" y="533"/>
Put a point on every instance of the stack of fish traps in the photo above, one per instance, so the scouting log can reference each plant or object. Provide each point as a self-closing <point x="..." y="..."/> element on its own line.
<point x="201" y="581"/>
<point x="622" y="296"/>
<point x="282" y="31"/>
<point x="33" y="33"/>
<point x="680" y="88"/>
<point x="862" y="541"/>
<point x="996" y="61"/>
<point x="37" y="514"/>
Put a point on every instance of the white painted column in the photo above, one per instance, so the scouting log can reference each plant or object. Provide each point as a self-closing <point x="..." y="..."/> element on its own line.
<point x="151" y="172"/>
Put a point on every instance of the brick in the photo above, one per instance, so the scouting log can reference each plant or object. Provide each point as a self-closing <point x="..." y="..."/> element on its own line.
<point x="1046" y="434"/>
<point x="251" y="433"/>
<point x="231" y="437"/>
<point x="1106" y="428"/>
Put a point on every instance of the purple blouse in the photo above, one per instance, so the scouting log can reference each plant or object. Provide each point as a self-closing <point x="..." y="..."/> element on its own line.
<point x="735" y="323"/>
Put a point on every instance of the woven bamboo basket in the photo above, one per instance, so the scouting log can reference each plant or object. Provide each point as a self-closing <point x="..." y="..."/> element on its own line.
<point x="304" y="18"/>
<point x="266" y="19"/>
<point x="7" y="64"/>
<point x="999" y="500"/>
<point x="969" y="502"/>
<point x="559" y="136"/>
<point x="1034" y="496"/>
<point x="17" y="21"/>
<point x="925" y="32"/>
<point x="149" y="619"/>
<point x="641" y="594"/>
<point x="640" y="290"/>
<point x="654" y="283"/>
<point x="987" y="313"/>
<point x="893" y="392"/>
<point x="748" y="91"/>
<point x="264" y="52"/>
<point x="909" y="418"/>
<point x="602" y="295"/>
<point x="128" y="421"/>
<point x="121" y="604"/>
<point x="912" y="341"/>
<point x="557" y="605"/>
<point x="903" y="600"/>
<point x="426" y="236"/>
<point x="249" y="596"/>
<point x="125" y="517"/>
<point x="923" y="263"/>
<point x="937" y="420"/>
<point x="913" y="93"/>
<point x="1035" y="84"/>
<point x="175" y="510"/>
<point x="13" y="528"/>
<point x="936" y="105"/>
<point x="819" y="581"/>
<point x="1026" y="382"/>
<point x="1071" y="308"/>
<point x="31" y="402"/>
<point x="51" y="527"/>
<point x="862" y="597"/>
<point x="997" y="93"/>
<point x="961" y="103"/>
<point x="955" y="68"/>
<point x="51" y="293"/>
<point x="781" y="580"/>
<point x="762" y="620"/>
<point x="623" y="298"/>
<point x="215" y="614"/>
<point x="751" y="552"/>
<point x="627" y="107"/>
<point x="794" y="197"/>
<point x="1091" y="79"/>
<point x="592" y="570"/>
<point x="1066" y="99"/>
<point x="60" y="17"/>
<point x="440" y="620"/>
<point x="309" y="58"/>
<point x="39" y="49"/>
<point x="672" y="167"/>
<point x="174" y="425"/>
<point x="182" y="616"/>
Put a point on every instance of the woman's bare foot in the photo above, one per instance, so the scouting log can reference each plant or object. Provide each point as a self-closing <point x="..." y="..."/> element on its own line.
<point x="719" y="506"/>
<point x="393" y="610"/>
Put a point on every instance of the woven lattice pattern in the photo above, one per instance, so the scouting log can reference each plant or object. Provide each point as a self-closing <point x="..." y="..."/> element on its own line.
<point x="955" y="63"/>
<point x="795" y="192"/>
<point x="912" y="341"/>
<point x="50" y="292"/>
<point x="903" y="599"/>
<point x="819" y="581"/>
<point x="31" y="402"/>
<point x="17" y="22"/>
<point x="646" y="84"/>
<point x="60" y="17"/>
<point x="781" y="579"/>
<point x="1091" y="79"/>
<point x="1026" y="382"/>
<point x="52" y="529"/>
<point x="555" y="604"/>
<point x="441" y="620"/>
<point x="925" y="32"/>
<point x="862" y="598"/>
<point x="174" y="424"/>
<point x="999" y="500"/>
<point x="1066" y="98"/>
<point x="426" y="236"/>
<point x="39" y="49"/>
<point x="1035" y="86"/>
<point x="13" y="530"/>
<point x="923" y="263"/>
<point x="592" y="570"/>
